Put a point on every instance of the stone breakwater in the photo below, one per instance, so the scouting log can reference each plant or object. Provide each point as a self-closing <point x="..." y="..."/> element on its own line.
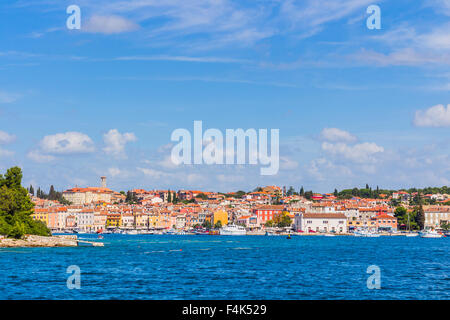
<point x="39" y="241"/>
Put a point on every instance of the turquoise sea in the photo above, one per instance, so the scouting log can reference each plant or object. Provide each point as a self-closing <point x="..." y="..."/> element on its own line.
<point x="221" y="267"/>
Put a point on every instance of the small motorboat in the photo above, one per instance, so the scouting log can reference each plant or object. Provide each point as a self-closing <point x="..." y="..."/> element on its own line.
<point x="412" y="234"/>
<point x="430" y="234"/>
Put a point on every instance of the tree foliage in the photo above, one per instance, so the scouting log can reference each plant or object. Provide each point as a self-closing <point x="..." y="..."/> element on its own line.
<point x="282" y="220"/>
<point x="16" y="207"/>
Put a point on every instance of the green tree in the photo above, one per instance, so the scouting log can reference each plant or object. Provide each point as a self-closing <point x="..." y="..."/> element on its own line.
<point x="269" y="223"/>
<point x="201" y="196"/>
<point x="282" y="220"/>
<point x="420" y="217"/>
<point x="308" y="195"/>
<point x="290" y="191"/>
<point x="169" y="196"/>
<point x="174" y="198"/>
<point x="131" y="198"/>
<point x="206" y="224"/>
<point x="302" y="191"/>
<point x="52" y="193"/>
<point x="16" y="207"/>
<point x="239" y="194"/>
<point x="218" y="225"/>
<point x="400" y="212"/>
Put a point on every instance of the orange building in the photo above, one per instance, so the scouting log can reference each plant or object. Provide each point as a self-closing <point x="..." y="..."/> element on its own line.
<point x="386" y="222"/>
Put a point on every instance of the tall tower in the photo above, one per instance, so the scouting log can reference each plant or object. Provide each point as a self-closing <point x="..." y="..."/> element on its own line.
<point x="103" y="179"/>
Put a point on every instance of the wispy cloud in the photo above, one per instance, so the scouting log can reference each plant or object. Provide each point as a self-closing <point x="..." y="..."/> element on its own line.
<point x="182" y="59"/>
<point x="109" y="25"/>
<point x="8" y="97"/>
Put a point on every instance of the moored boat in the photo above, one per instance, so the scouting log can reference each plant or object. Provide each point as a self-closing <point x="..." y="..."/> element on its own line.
<point x="366" y="234"/>
<point x="233" y="230"/>
<point x="430" y="234"/>
<point x="412" y="234"/>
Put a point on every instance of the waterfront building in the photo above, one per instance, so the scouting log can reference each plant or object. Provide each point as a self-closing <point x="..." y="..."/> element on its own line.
<point x="84" y="219"/>
<point x="220" y="215"/>
<point x="113" y="220"/>
<point x="249" y="221"/>
<point x="100" y="218"/>
<point x="321" y="222"/>
<point x="128" y="220"/>
<point x="355" y="223"/>
<point x="266" y="213"/>
<point x="436" y="215"/>
<point x="386" y="222"/>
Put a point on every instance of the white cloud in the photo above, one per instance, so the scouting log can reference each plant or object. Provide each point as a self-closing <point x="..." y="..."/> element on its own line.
<point x="182" y="59"/>
<point x="6" y="138"/>
<point x="7" y="97"/>
<point x="230" y="178"/>
<point x="360" y="153"/>
<point x="410" y="47"/>
<point x="114" y="171"/>
<point x="321" y="169"/>
<point x="337" y="135"/>
<point x="288" y="164"/>
<point x="109" y="25"/>
<point x="37" y="156"/>
<point x="167" y="163"/>
<point x="312" y="14"/>
<point x="67" y="143"/>
<point x="152" y="173"/>
<point x="115" y="142"/>
<point x="436" y="116"/>
<point x="5" y="153"/>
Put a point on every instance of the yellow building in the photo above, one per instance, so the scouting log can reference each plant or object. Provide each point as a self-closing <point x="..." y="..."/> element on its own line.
<point x="40" y="215"/>
<point x="220" y="215"/>
<point x="154" y="220"/>
<point x="114" y="220"/>
<point x="141" y="220"/>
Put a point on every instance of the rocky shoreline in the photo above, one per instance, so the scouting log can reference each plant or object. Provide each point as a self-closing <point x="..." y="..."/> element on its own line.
<point x="39" y="241"/>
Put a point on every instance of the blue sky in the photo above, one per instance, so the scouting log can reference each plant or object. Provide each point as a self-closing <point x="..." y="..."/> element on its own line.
<point x="353" y="105"/>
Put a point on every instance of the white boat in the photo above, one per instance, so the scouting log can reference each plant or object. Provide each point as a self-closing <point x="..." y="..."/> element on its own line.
<point x="329" y="235"/>
<point x="233" y="230"/>
<point x="430" y="234"/>
<point x="367" y="234"/>
<point x="412" y="234"/>
<point x="170" y="231"/>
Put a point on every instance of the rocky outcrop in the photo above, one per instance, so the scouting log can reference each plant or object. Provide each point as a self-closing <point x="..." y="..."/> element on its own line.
<point x="39" y="241"/>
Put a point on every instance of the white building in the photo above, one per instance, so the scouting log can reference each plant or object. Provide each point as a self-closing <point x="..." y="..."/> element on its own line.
<point x="85" y="220"/>
<point x="435" y="215"/>
<point x="127" y="220"/>
<point x="321" y="222"/>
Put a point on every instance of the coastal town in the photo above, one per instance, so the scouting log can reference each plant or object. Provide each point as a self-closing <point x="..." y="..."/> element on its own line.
<point x="267" y="210"/>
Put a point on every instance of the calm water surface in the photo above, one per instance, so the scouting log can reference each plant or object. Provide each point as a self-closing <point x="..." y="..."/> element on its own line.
<point x="220" y="267"/>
